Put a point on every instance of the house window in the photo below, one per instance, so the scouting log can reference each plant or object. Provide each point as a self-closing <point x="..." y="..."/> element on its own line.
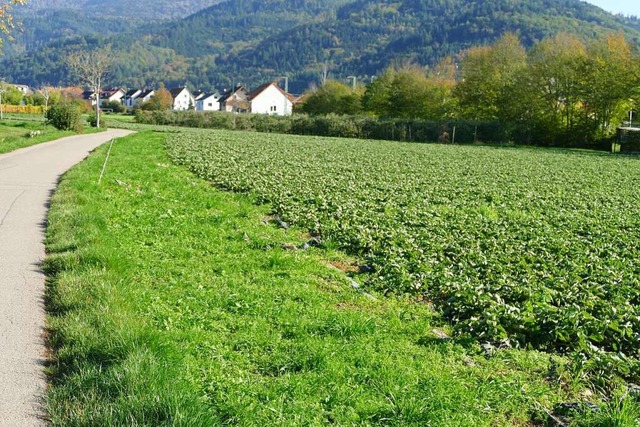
<point x="273" y="109"/>
<point x="210" y="105"/>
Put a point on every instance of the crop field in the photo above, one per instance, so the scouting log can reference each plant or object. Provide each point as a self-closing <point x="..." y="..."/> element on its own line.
<point x="172" y="303"/>
<point x="514" y="246"/>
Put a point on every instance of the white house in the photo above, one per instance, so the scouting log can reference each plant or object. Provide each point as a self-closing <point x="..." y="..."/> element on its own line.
<point x="111" y="95"/>
<point x="269" y="98"/>
<point x="182" y="99"/>
<point x="131" y="97"/>
<point x="145" y="96"/>
<point x="23" y="88"/>
<point x="208" y="102"/>
<point x="235" y="100"/>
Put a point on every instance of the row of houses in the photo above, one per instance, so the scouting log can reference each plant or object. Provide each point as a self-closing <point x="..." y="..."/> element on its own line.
<point x="268" y="98"/>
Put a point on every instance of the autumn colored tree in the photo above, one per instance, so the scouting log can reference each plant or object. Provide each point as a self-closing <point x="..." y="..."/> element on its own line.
<point x="161" y="101"/>
<point x="611" y="72"/>
<point x="6" y="18"/>
<point x="488" y="90"/>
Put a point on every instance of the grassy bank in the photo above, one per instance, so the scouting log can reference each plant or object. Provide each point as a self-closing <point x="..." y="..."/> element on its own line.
<point x="18" y="133"/>
<point x="172" y="303"/>
<point x="24" y="130"/>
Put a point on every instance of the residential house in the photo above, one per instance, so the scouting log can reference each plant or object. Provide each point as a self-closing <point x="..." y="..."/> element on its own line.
<point x="23" y="88"/>
<point x="89" y="96"/>
<point x="198" y="94"/>
<point x="110" y="95"/>
<point x="235" y="100"/>
<point x="270" y="99"/>
<point x="145" y="96"/>
<point x="131" y="97"/>
<point x="182" y="99"/>
<point x="208" y="102"/>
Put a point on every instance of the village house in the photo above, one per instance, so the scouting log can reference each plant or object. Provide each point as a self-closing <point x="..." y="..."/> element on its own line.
<point x="115" y="94"/>
<point x="131" y="97"/>
<point x="136" y="97"/>
<point x="145" y="96"/>
<point x="270" y="99"/>
<point x="235" y="100"/>
<point x="182" y="99"/>
<point x="26" y="90"/>
<point x="208" y="101"/>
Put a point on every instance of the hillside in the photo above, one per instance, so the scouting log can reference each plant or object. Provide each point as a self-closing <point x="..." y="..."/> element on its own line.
<point x="44" y="21"/>
<point x="251" y="41"/>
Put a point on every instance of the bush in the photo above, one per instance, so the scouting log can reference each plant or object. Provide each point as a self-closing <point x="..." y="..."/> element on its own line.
<point x="93" y="121"/>
<point x="114" y="106"/>
<point x="66" y="116"/>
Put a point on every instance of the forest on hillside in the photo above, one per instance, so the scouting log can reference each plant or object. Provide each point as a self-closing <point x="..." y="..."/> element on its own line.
<point x="252" y="41"/>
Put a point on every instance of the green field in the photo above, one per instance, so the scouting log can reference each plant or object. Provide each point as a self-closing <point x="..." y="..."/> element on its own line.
<point x="173" y="303"/>
<point x="524" y="247"/>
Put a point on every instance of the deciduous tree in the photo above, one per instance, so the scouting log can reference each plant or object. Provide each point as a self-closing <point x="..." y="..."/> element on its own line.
<point x="161" y="101"/>
<point x="91" y="69"/>
<point x="6" y="17"/>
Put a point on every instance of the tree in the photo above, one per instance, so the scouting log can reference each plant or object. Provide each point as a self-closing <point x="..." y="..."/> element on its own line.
<point x="13" y="95"/>
<point x="45" y="91"/>
<point x="6" y="18"/>
<point x="552" y="85"/>
<point x="161" y="101"/>
<point x="488" y="89"/>
<point x="611" y="71"/>
<point x="333" y="97"/>
<point x="91" y="68"/>
<point x="378" y="97"/>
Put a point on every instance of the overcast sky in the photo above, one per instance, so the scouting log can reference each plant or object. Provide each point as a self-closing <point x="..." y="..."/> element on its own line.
<point x="626" y="7"/>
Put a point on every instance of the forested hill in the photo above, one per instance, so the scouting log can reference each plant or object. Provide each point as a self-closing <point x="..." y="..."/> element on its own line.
<point x="43" y="21"/>
<point x="252" y="41"/>
<point x="125" y="9"/>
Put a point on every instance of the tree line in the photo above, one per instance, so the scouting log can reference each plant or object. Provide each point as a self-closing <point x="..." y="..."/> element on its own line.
<point x="562" y="91"/>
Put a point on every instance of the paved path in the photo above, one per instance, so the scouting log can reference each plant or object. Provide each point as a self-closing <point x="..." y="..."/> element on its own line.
<point x="27" y="179"/>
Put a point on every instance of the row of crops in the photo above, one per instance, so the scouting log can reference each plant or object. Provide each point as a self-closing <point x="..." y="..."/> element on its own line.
<point x="523" y="247"/>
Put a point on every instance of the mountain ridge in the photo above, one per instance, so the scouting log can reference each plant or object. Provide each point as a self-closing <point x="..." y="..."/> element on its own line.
<point x="253" y="41"/>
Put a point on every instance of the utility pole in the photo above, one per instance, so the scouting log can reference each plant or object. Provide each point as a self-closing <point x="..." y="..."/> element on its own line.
<point x="286" y="83"/>
<point x="286" y="91"/>
<point x="354" y="78"/>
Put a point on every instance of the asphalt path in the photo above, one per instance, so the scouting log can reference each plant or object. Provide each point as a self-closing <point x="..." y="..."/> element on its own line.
<point x="28" y="177"/>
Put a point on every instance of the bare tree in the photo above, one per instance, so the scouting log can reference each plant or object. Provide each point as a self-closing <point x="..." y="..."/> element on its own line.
<point x="45" y="91"/>
<point x="324" y="74"/>
<point x="91" y="69"/>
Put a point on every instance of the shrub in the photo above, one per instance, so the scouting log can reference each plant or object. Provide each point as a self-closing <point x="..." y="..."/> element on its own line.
<point x="114" y="106"/>
<point x="65" y="116"/>
<point x="93" y="121"/>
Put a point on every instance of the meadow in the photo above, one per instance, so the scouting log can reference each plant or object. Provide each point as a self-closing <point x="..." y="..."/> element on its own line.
<point x="173" y="302"/>
<point x="23" y="130"/>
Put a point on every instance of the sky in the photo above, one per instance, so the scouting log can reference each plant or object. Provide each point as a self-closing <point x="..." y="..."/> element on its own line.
<point x="626" y="7"/>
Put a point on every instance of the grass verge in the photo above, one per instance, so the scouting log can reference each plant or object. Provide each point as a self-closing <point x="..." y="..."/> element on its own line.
<point x="21" y="132"/>
<point x="171" y="303"/>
